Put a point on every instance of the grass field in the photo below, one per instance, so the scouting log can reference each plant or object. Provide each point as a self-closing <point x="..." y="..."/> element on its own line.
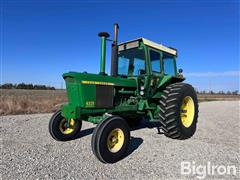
<point x="19" y="101"/>
<point x="217" y="97"/>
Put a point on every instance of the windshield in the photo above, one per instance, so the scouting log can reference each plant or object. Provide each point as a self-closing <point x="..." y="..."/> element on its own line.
<point x="131" y="61"/>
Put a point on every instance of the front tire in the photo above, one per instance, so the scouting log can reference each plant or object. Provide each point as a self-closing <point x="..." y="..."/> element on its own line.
<point x="58" y="127"/>
<point x="179" y="111"/>
<point x="110" y="139"/>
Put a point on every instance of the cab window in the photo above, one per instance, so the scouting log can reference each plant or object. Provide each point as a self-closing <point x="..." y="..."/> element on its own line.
<point x="155" y="61"/>
<point x="123" y="64"/>
<point x="131" y="61"/>
<point x="138" y="65"/>
<point x="169" y="64"/>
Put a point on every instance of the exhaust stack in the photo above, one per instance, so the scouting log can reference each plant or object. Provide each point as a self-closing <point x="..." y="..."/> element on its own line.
<point x="114" y="62"/>
<point x="104" y="36"/>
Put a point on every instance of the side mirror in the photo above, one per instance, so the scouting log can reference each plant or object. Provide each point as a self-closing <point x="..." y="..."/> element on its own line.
<point x="141" y="72"/>
<point x="180" y="71"/>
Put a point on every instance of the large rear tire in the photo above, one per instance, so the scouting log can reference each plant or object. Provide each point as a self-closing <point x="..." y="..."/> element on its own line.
<point x="59" y="130"/>
<point x="179" y="111"/>
<point x="110" y="139"/>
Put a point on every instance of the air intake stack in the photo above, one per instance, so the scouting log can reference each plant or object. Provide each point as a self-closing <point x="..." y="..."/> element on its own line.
<point x="104" y="36"/>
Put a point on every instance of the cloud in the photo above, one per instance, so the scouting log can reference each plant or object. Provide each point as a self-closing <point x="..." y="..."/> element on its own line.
<point x="213" y="74"/>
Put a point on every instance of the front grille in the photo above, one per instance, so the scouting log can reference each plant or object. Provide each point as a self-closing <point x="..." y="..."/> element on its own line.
<point x="104" y="96"/>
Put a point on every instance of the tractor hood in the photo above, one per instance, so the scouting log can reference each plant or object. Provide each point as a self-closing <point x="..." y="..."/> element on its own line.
<point x="86" y="91"/>
<point x="96" y="79"/>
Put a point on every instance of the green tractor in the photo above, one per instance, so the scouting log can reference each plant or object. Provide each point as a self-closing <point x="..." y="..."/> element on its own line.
<point x="144" y="83"/>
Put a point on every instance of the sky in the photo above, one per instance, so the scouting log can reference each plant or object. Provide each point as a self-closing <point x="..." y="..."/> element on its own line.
<point x="40" y="40"/>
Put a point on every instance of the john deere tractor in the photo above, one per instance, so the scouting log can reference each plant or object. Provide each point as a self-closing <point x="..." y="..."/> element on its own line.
<point x="144" y="83"/>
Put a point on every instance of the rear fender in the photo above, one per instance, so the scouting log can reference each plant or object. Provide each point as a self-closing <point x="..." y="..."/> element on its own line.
<point x="166" y="80"/>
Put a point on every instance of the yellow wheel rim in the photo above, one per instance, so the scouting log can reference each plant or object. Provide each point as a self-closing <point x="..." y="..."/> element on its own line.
<point x="187" y="111"/>
<point x="63" y="126"/>
<point x="115" y="140"/>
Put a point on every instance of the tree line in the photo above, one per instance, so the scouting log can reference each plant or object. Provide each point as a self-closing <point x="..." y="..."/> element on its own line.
<point x="236" y="92"/>
<point x="26" y="86"/>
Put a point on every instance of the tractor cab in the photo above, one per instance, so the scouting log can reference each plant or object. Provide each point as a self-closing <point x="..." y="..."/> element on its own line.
<point x="147" y="62"/>
<point x="144" y="57"/>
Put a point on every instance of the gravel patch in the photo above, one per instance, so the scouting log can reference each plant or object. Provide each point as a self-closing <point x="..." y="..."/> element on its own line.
<point x="29" y="152"/>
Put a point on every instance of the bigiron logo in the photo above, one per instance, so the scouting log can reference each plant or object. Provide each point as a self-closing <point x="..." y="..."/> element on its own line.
<point x="208" y="170"/>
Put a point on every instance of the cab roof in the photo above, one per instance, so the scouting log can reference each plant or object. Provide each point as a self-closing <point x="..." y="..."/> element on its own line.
<point x="152" y="44"/>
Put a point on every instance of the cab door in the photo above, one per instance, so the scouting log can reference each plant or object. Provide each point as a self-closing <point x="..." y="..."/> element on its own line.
<point x="169" y="64"/>
<point x="156" y="70"/>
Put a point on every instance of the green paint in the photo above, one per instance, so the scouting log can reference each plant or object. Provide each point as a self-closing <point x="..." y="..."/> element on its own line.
<point x="95" y="119"/>
<point x="103" y="55"/>
<point x="164" y="80"/>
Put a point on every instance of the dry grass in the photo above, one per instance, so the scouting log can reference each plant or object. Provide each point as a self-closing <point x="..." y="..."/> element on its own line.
<point x="44" y="101"/>
<point x="217" y="97"/>
<point x="30" y="101"/>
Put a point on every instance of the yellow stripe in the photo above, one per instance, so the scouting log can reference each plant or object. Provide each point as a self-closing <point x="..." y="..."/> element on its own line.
<point x="98" y="83"/>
